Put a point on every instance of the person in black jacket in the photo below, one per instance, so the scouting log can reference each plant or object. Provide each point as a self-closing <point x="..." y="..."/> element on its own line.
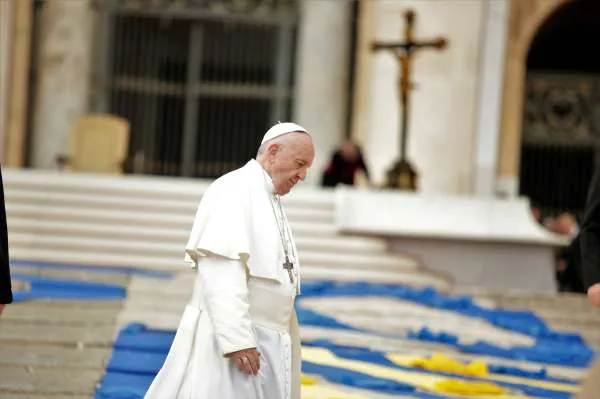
<point x="344" y="164"/>
<point x="590" y="241"/>
<point x="5" y="285"/>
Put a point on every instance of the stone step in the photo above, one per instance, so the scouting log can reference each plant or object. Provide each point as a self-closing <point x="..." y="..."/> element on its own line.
<point x="179" y="218"/>
<point x="57" y="316"/>
<point x="99" y="184"/>
<point x="117" y="246"/>
<point x="126" y="197"/>
<point x="402" y="274"/>
<point x="68" y="235"/>
<point x="17" y="379"/>
<point x="109" y="304"/>
<point x="30" y="395"/>
<point x="35" y="181"/>
<point x="65" y="323"/>
<point x="70" y="273"/>
<point x="124" y="229"/>
<point x="84" y="201"/>
<point x="50" y="356"/>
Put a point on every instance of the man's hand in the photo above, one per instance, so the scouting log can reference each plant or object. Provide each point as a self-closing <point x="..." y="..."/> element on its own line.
<point x="593" y="295"/>
<point x="246" y="360"/>
<point x="2" y="306"/>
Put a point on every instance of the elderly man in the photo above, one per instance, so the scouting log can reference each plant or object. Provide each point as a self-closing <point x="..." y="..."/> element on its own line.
<point x="5" y="286"/>
<point x="238" y="336"/>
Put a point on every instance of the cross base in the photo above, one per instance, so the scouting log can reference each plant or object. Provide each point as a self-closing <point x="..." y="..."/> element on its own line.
<point x="402" y="176"/>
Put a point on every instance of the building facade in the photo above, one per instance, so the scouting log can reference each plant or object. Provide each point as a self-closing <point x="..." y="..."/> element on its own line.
<point x="200" y="81"/>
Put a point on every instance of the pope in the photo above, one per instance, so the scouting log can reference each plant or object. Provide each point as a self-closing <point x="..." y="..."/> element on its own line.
<point x="238" y="337"/>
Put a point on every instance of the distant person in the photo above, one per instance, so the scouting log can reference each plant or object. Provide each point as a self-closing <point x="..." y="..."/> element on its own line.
<point x="590" y="241"/>
<point x="568" y="270"/>
<point x="537" y="214"/>
<point x="344" y="166"/>
<point x="5" y="285"/>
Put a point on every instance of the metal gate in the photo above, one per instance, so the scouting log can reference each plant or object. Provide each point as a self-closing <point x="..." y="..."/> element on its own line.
<point x="561" y="132"/>
<point x="200" y="81"/>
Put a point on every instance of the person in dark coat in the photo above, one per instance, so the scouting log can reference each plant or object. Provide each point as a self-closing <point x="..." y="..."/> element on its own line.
<point x="5" y="285"/>
<point x="590" y="241"/>
<point x="344" y="165"/>
<point x="569" y="274"/>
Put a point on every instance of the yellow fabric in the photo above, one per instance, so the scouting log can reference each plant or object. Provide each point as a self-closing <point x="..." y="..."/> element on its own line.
<point x="416" y="378"/>
<point x="469" y="388"/>
<point x="306" y="380"/>
<point x="406" y="360"/>
<point x="443" y="363"/>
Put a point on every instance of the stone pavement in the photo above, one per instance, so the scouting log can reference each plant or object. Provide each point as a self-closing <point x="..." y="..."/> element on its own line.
<point x="55" y="349"/>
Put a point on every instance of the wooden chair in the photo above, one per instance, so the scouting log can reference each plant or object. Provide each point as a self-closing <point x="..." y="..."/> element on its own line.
<point x="98" y="143"/>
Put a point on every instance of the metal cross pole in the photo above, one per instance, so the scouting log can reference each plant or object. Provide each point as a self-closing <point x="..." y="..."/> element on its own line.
<point x="402" y="175"/>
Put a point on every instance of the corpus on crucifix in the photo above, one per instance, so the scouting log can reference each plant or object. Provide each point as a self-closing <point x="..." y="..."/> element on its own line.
<point x="402" y="175"/>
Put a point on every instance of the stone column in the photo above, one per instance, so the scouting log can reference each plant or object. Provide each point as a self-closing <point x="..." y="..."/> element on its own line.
<point x="15" y="71"/>
<point x="63" y="77"/>
<point x="491" y="78"/>
<point x="322" y="75"/>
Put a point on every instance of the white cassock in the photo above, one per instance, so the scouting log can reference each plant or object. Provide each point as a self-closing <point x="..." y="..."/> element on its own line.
<point x="242" y="298"/>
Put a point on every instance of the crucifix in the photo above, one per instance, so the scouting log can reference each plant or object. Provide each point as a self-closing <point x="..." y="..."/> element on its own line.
<point x="402" y="175"/>
<point x="289" y="266"/>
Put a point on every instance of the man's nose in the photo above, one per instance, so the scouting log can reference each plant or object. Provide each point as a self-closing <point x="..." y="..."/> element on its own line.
<point x="302" y="175"/>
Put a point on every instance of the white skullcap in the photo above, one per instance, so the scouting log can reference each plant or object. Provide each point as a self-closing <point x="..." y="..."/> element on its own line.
<point x="281" y="129"/>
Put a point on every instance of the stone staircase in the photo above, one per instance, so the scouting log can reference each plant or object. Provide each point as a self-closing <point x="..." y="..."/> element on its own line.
<point x="142" y="221"/>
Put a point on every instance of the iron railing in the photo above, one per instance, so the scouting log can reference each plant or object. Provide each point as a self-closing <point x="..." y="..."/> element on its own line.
<point x="200" y="81"/>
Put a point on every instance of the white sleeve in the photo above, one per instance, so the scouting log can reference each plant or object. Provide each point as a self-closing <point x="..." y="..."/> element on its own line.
<point x="226" y="298"/>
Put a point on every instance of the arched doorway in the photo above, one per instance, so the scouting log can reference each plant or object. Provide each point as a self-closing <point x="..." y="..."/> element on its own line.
<point x="561" y="118"/>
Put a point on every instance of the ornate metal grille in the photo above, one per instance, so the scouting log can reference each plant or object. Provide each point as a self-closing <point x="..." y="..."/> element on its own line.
<point x="561" y="132"/>
<point x="199" y="80"/>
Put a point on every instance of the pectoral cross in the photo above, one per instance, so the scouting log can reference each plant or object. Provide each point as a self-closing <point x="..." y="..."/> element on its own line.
<point x="402" y="175"/>
<point x="289" y="266"/>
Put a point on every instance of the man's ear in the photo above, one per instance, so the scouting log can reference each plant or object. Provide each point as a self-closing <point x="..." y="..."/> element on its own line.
<point x="273" y="148"/>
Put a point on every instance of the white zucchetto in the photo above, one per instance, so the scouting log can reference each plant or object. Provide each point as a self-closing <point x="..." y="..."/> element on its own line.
<point x="281" y="129"/>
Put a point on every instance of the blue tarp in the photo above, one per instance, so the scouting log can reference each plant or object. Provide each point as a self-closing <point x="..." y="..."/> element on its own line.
<point x="20" y="264"/>
<point x="123" y="386"/>
<point x="139" y="353"/>
<point x="62" y="288"/>
<point x="376" y="357"/>
<point x="552" y="347"/>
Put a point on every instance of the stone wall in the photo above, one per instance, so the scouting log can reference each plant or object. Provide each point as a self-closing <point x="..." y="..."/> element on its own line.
<point x="525" y="18"/>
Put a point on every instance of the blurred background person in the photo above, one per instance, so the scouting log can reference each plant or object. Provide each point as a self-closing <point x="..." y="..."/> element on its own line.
<point x="347" y="166"/>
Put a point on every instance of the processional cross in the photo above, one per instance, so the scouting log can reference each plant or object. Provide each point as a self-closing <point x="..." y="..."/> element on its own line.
<point x="402" y="175"/>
